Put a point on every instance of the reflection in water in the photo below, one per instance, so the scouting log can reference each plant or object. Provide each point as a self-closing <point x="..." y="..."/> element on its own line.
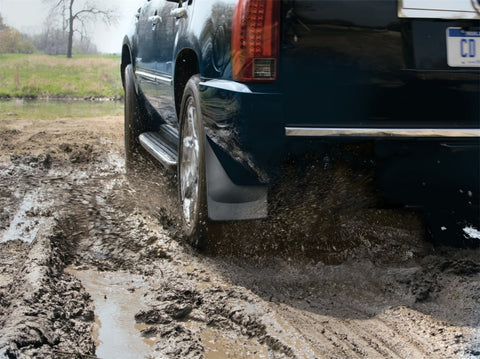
<point x="117" y="297"/>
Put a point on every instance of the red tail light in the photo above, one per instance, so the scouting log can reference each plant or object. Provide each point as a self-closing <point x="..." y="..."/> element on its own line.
<point x="255" y="40"/>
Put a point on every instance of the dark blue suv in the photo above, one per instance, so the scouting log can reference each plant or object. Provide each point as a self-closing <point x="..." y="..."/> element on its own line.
<point x="227" y="90"/>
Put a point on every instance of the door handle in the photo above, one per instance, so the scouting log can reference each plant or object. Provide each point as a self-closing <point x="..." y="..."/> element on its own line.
<point x="179" y="12"/>
<point x="155" y="20"/>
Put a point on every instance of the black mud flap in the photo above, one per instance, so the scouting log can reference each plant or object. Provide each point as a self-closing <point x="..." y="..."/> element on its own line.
<point x="227" y="201"/>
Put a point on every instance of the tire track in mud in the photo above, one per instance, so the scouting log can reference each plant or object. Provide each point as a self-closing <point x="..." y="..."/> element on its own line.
<point x="347" y="322"/>
<point x="48" y="311"/>
<point x="387" y="335"/>
<point x="352" y="338"/>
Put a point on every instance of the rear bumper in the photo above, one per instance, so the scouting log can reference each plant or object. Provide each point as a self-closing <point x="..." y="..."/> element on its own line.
<point x="251" y="134"/>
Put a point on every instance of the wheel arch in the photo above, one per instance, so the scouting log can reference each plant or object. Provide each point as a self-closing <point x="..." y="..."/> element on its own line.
<point x="126" y="60"/>
<point x="186" y="65"/>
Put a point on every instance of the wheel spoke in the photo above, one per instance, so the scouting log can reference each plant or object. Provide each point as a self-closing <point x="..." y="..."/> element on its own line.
<point x="189" y="166"/>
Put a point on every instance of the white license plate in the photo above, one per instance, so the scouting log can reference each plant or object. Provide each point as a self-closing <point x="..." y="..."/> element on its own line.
<point x="463" y="47"/>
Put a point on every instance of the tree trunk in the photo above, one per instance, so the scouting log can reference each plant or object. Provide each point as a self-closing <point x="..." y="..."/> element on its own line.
<point x="70" y="30"/>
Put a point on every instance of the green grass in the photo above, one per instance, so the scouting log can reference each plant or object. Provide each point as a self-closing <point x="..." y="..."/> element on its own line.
<point x="34" y="76"/>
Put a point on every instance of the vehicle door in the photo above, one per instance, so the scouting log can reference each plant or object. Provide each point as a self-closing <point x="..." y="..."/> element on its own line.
<point x="154" y="62"/>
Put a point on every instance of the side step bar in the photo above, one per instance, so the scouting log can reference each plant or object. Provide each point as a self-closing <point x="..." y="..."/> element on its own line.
<point x="163" y="144"/>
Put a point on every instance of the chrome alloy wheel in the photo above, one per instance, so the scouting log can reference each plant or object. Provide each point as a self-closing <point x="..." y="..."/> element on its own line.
<point x="190" y="167"/>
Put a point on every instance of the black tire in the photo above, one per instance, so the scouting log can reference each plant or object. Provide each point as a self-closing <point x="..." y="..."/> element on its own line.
<point x="134" y="124"/>
<point x="192" y="185"/>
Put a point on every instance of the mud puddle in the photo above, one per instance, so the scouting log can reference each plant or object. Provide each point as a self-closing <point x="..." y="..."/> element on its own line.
<point x="25" y="224"/>
<point x="117" y="297"/>
<point x="217" y="346"/>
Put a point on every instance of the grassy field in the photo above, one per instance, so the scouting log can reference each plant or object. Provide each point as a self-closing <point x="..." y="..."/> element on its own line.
<point x="43" y="76"/>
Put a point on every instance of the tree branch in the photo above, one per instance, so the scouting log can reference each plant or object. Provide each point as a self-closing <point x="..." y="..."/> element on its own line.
<point x="83" y="13"/>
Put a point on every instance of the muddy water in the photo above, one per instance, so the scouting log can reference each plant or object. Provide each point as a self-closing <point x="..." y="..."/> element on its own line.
<point x="117" y="297"/>
<point x="26" y="220"/>
<point x="219" y="344"/>
<point x="21" y="223"/>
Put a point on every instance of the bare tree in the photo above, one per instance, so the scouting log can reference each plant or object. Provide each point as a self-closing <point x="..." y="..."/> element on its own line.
<point x="2" y="25"/>
<point x="77" y="14"/>
<point x="52" y="40"/>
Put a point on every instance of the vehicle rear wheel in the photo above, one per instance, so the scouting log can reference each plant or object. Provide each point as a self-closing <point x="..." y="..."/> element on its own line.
<point x="133" y="118"/>
<point x="191" y="168"/>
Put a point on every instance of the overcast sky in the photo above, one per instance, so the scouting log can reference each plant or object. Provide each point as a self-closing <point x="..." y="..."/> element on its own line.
<point x="29" y="16"/>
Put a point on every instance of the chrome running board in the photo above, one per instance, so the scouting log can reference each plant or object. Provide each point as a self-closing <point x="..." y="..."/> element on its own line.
<point x="162" y="145"/>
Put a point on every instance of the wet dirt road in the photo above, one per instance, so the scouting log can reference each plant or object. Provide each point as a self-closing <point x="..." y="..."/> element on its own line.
<point x="92" y="265"/>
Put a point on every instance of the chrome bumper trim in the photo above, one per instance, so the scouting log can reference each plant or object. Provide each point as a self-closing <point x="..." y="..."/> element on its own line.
<point x="382" y="132"/>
